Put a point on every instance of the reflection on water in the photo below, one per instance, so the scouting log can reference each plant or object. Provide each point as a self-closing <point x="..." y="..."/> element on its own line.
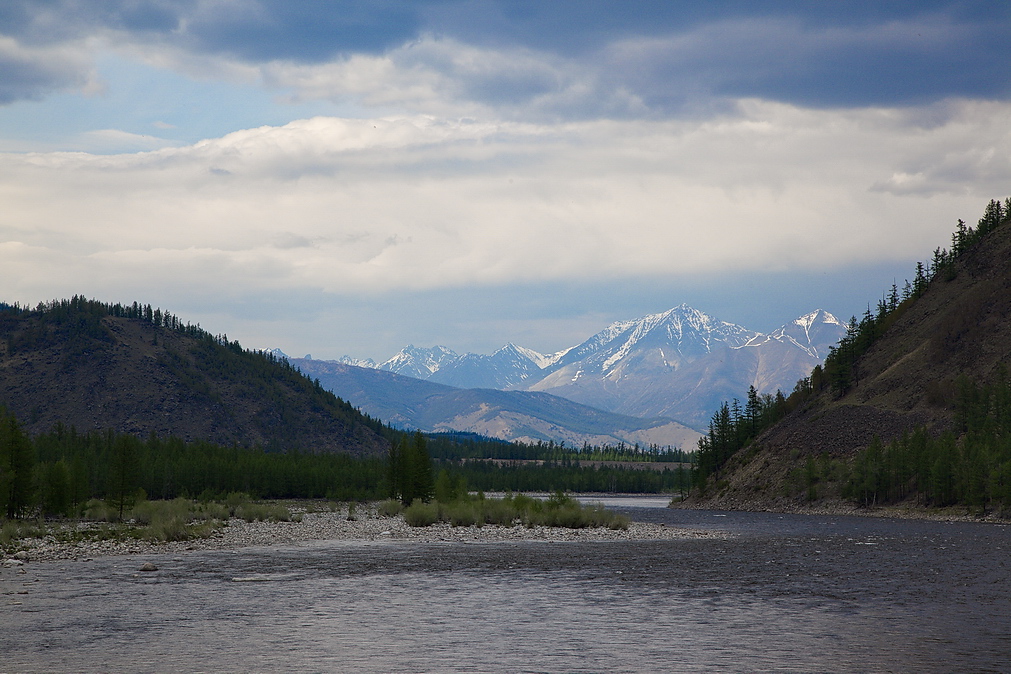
<point x="632" y="501"/>
<point x="786" y="593"/>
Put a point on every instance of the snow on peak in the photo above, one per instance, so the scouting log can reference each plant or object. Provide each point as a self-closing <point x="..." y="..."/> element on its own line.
<point x="814" y="332"/>
<point x="539" y="359"/>
<point x="418" y="361"/>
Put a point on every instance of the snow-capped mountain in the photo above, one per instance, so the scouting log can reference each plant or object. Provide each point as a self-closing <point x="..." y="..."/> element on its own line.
<point x="678" y="335"/>
<point x="654" y="343"/>
<point x="680" y="364"/>
<point x="507" y="367"/>
<point x="419" y="362"/>
<point x="683" y="364"/>
<point x="814" y="332"/>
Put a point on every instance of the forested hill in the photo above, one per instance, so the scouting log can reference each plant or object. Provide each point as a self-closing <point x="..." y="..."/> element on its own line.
<point x="932" y="354"/>
<point x="140" y="371"/>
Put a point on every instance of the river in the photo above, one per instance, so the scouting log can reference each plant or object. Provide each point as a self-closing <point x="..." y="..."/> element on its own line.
<point x="783" y="593"/>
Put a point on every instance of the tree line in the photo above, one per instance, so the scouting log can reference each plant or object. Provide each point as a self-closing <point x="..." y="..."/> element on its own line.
<point x="969" y="465"/>
<point x="457" y="446"/>
<point x="55" y="473"/>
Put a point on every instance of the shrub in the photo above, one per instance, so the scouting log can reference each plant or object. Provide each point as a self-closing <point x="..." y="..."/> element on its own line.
<point x="461" y="514"/>
<point x="167" y="529"/>
<point x="498" y="511"/>
<point x="390" y="508"/>
<point x="421" y="514"/>
<point x="97" y="510"/>
<point x="258" y="512"/>
<point x="13" y="530"/>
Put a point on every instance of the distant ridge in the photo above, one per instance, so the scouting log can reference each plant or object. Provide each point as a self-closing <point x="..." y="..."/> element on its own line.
<point x="524" y="416"/>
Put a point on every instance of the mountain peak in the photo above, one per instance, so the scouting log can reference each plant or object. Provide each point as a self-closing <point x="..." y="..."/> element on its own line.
<point x="418" y="362"/>
<point x="813" y="332"/>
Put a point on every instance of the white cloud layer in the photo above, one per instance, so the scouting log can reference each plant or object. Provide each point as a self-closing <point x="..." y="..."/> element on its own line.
<point x="370" y="206"/>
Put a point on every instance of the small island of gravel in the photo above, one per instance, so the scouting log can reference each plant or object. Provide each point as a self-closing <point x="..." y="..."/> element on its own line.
<point x="305" y="522"/>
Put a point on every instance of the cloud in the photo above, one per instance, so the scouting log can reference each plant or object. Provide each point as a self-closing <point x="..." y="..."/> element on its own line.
<point x="108" y="141"/>
<point x="565" y="60"/>
<point x="360" y="207"/>
<point x="28" y="72"/>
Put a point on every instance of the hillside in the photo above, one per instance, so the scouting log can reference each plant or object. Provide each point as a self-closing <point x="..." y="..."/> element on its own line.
<point x="506" y="415"/>
<point x="95" y="366"/>
<point x="955" y="328"/>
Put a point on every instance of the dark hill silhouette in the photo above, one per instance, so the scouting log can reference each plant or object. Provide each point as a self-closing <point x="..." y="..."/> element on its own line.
<point x="136" y="370"/>
<point x="956" y="326"/>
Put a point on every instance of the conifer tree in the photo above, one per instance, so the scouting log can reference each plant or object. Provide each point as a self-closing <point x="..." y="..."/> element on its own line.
<point x="124" y="472"/>
<point x="17" y="463"/>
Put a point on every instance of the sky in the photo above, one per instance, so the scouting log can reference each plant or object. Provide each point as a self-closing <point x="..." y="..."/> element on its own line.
<point x="349" y="177"/>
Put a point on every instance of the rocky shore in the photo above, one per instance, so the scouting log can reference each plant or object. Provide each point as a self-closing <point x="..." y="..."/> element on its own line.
<point x="326" y="525"/>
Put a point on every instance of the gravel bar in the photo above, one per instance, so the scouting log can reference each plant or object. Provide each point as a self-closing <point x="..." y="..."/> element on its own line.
<point x="332" y="525"/>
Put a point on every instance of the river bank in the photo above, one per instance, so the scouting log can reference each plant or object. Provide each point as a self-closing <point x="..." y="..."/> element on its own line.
<point x="839" y="507"/>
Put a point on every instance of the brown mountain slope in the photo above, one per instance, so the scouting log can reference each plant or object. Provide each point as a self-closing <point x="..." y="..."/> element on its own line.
<point x="80" y="366"/>
<point x="960" y="326"/>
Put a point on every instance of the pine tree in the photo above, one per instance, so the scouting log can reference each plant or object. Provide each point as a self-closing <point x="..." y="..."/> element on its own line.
<point x="420" y="475"/>
<point x="124" y="473"/>
<point x="17" y="463"/>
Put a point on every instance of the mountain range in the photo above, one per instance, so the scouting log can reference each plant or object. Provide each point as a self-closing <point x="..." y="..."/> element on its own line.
<point x="680" y="364"/>
<point x="656" y="379"/>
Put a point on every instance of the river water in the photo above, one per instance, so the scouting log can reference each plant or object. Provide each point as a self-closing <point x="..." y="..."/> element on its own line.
<point x="783" y="593"/>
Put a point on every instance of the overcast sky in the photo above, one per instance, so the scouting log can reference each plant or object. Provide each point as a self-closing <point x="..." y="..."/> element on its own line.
<point x="349" y="177"/>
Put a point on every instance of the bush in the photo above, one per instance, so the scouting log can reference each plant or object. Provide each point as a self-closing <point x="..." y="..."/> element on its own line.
<point x="97" y="510"/>
<point x="259" y="512"/>
<point x="498" y="511"/>
<point x="168" y="529"/>
<point x="14" y="530"/>
<point x="390" y="508"/>
<point x="461" y="514"/>
<point x="421" y="514"/>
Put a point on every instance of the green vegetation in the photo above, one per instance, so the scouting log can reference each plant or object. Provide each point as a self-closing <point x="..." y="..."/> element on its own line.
<point x="57" y="473"/>
<point x="494" y="465"/>
<point x="970" y="466"/>
<point x="460" y="446"/>
<point x="570" y="476"/>
<point x="410" y="470"/>
<point x="733" y="428"/>
<point x="558" y="510"/>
